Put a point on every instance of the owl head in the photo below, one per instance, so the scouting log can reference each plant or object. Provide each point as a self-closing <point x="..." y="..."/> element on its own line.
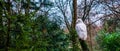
<point x="79" y="20"/>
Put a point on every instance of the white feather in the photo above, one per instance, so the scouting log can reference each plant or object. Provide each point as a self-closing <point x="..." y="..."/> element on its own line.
<point x="81" y="29"/>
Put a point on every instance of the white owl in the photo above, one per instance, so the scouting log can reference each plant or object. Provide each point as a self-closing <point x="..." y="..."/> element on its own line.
<point x="81" y="29"/>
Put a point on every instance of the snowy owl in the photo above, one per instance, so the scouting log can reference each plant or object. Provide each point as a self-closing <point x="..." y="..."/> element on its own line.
<point x="81" y="29"/>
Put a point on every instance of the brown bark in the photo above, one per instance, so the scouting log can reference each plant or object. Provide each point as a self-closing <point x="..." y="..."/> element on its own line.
<point x="74" y="40"/>
<point x="74" y="18"/>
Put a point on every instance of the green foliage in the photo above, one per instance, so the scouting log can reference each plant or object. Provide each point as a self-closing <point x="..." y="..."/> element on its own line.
<point x="109" y="41"/>
<point x="31" y="32"/>
<point x="27" y="34"/>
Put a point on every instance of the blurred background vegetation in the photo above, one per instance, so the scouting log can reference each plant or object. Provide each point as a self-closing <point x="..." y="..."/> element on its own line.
<point x="22" y="30"/>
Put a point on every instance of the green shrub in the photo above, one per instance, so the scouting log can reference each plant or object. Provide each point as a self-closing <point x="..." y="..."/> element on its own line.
<point x="109" y="41"/>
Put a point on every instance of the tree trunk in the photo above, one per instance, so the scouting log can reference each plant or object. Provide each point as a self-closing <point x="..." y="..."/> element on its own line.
<point x="83" y="45"/>
<point x="72" y="31"/>
<point x="74" y="18"/>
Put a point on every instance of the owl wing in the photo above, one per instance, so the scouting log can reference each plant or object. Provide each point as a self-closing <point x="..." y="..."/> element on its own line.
<point x="80" y="27"/>
<point x="81" y="31"/>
